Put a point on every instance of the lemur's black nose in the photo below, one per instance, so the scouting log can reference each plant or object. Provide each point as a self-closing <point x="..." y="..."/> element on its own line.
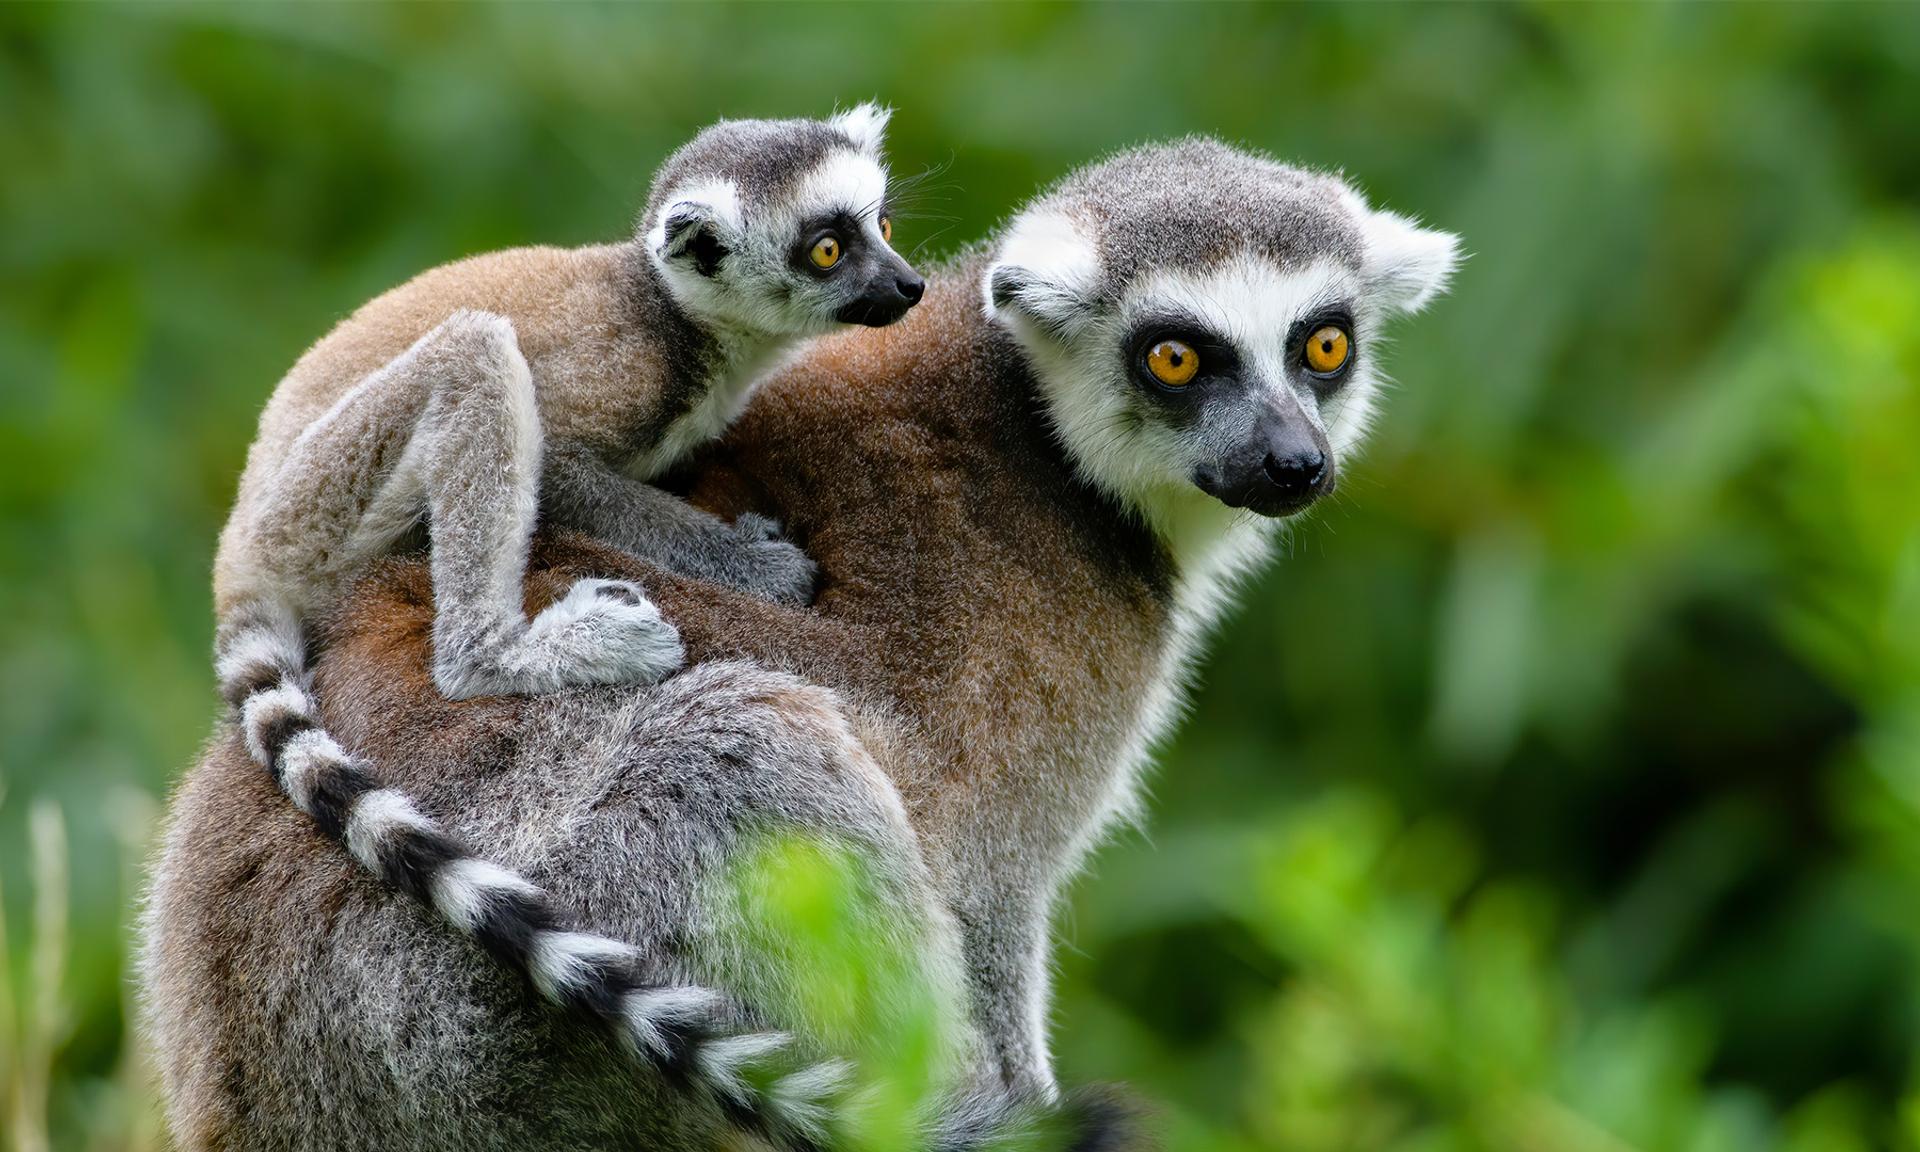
<point x="888" y="294"/>
<point x="1297" y="474"/>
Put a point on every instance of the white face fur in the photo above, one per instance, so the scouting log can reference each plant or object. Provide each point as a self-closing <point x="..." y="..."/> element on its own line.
<point x="1255" y="428"/>
<point x="748" y="252"/>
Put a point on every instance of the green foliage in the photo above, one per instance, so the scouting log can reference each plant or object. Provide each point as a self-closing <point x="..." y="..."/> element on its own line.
<point x="1560" y="789"/>
<point x="812" y="908"/>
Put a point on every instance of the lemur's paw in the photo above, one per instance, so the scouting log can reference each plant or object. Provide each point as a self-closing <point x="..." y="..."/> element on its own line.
<point x="771" y="566"/>
<point x="601" y="632"/>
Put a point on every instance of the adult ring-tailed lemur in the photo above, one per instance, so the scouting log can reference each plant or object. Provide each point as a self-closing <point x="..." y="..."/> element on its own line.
<point x="1028" y="502"/>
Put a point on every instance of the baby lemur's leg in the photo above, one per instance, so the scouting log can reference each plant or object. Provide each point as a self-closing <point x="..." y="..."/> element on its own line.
<point x="579" y="489"/>
<point x="479" y="456"/>
<point x="346" y="490"/>
<point x="451" y="425"/>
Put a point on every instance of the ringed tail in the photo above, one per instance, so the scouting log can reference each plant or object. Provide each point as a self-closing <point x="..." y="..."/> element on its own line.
<point x="686" y="1033"/>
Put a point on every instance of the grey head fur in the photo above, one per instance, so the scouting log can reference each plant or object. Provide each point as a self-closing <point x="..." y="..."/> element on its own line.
<point x="736" y="216"/>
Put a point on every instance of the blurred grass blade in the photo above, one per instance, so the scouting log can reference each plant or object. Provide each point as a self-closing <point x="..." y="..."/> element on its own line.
<point x="41" y="1019"/>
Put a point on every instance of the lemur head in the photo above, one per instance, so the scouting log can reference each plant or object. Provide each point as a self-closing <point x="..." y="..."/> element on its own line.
<point x="780" y="227"/>
<point x="1204" y="321"/>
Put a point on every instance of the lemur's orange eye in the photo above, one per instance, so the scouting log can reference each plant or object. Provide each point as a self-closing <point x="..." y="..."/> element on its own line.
<point x="1173" y="363"/>
<point x="886" y="229"/>
<point x="1328" y="349"/>
<point x="826" y="252"/>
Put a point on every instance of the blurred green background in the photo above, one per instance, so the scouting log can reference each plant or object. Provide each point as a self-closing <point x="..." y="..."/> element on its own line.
<point x="1559" y="790"/>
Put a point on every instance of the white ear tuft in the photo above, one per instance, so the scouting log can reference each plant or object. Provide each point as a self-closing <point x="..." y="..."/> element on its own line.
<point x="1406" y="264"/>
<point x="711" y="207"/>
<point x="1054" y="307"/>
<point x="1043" y="272"/>
<point x="865" y="124"/>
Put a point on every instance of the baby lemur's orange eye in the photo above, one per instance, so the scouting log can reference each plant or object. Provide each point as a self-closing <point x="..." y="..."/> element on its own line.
<point x="826" y="252"/>
<point x="886" y="229"/>
<point x="1173" y="363"/>
<point x="1327" y="350"/>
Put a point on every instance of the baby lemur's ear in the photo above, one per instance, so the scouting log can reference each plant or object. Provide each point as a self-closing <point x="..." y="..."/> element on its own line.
<point x="1044" y="274"/>
<point x="694" y="229"/>
<point x="864" y="124"/>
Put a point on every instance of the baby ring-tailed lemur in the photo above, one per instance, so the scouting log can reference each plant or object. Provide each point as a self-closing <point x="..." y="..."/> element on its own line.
<point x="544" y="381"/>
<point x="1085" y="435"/>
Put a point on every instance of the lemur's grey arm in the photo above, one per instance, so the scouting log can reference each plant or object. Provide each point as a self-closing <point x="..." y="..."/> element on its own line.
<point x="581" y="490"/>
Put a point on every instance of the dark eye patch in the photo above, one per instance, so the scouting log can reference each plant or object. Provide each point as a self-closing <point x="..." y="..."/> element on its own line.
<point x="838" y="219"/>
<point x="842" y="225"/>
<point x="1337" y="314"/>
<point x="1219" y="359"/>
<point x="1218" y="356"/>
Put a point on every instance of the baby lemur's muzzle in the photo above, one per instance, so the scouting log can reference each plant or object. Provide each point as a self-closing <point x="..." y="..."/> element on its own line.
<point x="892" y="288"/>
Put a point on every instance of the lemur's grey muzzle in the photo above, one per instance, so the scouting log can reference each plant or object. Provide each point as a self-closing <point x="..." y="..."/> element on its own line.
<point x="1285" y="466"/>
<point x="892" y="288"/>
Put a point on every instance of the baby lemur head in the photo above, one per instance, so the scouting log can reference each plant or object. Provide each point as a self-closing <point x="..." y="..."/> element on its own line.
<point x="780" y="227"/>
<point x="1204" y="322"/>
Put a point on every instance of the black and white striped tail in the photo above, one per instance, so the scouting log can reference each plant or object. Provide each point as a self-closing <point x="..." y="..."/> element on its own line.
<point x="684" y="1031"/>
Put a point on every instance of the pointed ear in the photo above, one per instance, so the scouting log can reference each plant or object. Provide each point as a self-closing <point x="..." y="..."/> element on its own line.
<point x="1407" y="265"/>
<point x="696" y="225"/>
<point x="1054" y="307"/>
<point x="864" y="124"/>
<point x="1043" y="273"/>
